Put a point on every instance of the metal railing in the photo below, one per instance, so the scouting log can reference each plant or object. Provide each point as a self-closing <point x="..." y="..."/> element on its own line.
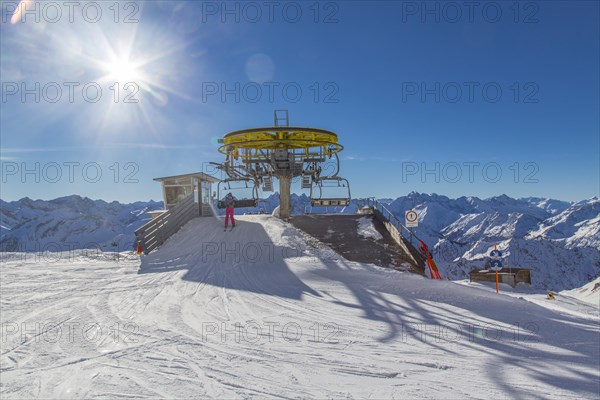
<point x="396" y="229"/>
<point x="390" y="217"/>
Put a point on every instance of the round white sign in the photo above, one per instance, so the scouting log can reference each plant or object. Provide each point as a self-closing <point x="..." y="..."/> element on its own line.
<point x="411" y="219"/>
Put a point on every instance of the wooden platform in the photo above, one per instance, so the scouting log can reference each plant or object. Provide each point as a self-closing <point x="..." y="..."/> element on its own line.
<point x="510" y="276"/>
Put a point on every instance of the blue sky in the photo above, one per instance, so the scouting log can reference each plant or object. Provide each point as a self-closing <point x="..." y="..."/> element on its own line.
<point x="497" y="99"/>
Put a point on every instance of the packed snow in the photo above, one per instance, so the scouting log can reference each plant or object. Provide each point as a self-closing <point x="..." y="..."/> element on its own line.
<point x="367" y="229"/>
<point x="262" y="311"/>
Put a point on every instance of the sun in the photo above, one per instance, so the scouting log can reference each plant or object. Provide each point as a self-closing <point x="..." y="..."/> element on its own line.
<point x="123" y="71"/>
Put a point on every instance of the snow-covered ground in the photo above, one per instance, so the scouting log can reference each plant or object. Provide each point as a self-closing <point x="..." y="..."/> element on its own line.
<point x="367" y="229"/>
<point x="590" y="292"/>
<point x="262" y="312"/>
<point x="582" y="302"/>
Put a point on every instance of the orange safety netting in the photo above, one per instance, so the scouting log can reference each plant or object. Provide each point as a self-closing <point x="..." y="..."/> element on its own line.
<point x="433" y="270"/>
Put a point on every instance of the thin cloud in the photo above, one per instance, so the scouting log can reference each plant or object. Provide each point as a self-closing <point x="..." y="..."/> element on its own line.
<point x="157" y="146"/>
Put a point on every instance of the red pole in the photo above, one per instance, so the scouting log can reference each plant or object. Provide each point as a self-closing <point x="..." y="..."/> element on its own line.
<point x="496" y="281"/>
<point x="496" y="275"/>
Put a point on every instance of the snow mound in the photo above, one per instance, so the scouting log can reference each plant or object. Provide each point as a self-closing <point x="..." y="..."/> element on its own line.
<point x="590" y="292"/>
<point x="275" y="212"/>
<point x="366" y="229"/>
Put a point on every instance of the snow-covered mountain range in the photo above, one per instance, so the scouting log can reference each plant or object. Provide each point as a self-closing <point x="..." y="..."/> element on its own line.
<point x="71" y="222"/>
<point x="559" y="241"/>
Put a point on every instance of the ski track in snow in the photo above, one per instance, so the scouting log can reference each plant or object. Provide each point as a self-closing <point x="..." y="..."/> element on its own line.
<point x="327" y="327"/>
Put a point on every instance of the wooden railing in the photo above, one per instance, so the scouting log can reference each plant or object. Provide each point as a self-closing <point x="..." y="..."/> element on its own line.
<point x="157" y="231"/>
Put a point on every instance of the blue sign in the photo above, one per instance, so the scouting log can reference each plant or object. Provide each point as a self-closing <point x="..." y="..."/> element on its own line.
<point x="496" y="254"/>
<point x="496" y="265"/>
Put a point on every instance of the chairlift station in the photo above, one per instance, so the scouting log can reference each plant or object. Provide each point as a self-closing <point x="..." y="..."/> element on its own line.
<point x="256" y="156"/>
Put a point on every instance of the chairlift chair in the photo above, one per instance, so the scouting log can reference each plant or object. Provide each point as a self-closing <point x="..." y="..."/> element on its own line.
<point x="225" y="186"/>
<point x="317" y="198"/>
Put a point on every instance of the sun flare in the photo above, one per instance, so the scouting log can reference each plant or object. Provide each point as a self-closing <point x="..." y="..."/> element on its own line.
<point x="123" y="71"/>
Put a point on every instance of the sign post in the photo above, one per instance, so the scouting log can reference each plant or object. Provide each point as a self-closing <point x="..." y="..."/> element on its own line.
<point x="411" y="220"/>
<point x="496" y="264"/>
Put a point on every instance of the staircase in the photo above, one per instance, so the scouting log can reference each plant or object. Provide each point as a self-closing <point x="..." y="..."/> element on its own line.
<point x="207" y="211"/>
<point x="158" y="230"/>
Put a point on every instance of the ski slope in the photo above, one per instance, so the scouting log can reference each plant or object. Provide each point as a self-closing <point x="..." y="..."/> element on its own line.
<point x="266" y="311"/>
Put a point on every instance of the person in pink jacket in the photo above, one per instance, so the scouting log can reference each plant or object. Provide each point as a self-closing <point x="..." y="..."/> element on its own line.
<point x="229" y="207"/>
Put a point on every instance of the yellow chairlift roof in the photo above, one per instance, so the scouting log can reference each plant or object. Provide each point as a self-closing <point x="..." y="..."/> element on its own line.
<point x="280" y="136"/>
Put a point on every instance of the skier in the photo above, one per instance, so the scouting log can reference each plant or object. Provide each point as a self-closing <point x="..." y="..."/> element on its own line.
<point x="229" y="206"/>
